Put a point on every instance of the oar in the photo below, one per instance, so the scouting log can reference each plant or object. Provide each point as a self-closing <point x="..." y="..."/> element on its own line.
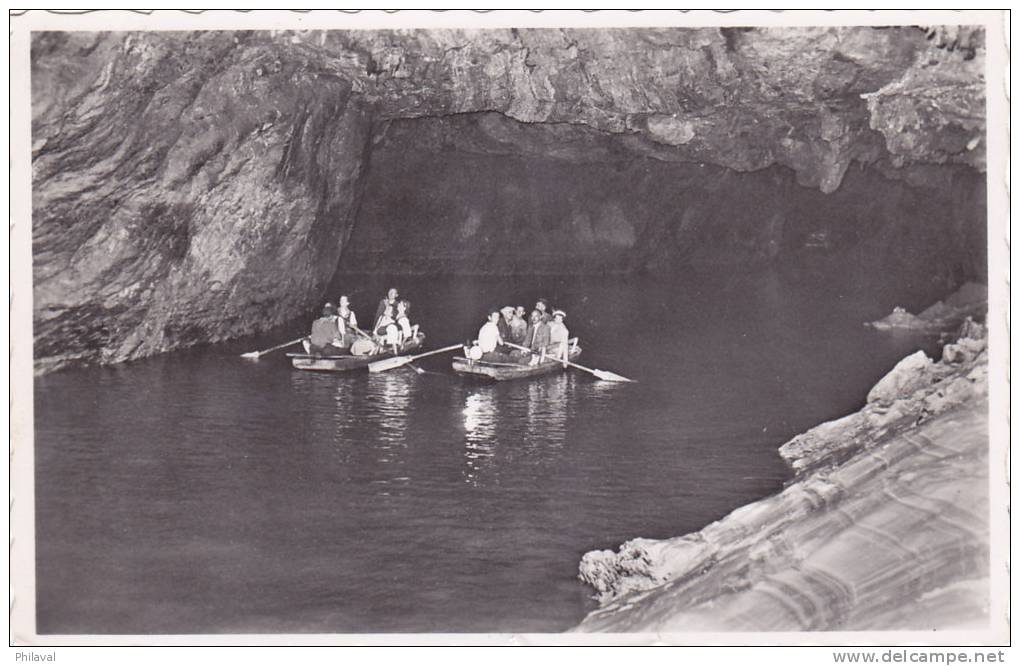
<point x="398" y="361"/>
<point x="601" y="374"/>
<point x="256" y="354"/>
<point x="358" y="330"/>
<point x="366" y="335"/>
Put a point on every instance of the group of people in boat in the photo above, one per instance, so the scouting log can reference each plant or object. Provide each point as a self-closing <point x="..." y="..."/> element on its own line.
<point x="508" y="337"/>
<point x="336" y="332"/>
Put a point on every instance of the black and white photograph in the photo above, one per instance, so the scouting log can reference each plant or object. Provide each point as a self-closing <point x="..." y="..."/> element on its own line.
<point x="455" y="328"/>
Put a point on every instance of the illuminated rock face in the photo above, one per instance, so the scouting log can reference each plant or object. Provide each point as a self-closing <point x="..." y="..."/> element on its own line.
<point x="194" y="187"/>
<point x="885" y="526"/>
<point x="811" y="99"/>
<point x="182" y="191"/>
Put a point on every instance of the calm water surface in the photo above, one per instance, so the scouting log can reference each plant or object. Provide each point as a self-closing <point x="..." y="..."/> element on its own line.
<point x="198" y="492"/>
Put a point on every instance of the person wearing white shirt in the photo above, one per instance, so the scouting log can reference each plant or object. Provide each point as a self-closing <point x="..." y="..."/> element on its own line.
<point x="559" y="336"/>
<point x="387" y="333"/>
<point x="489" y="338"/>
<point x="407" y="331"/>
<point x="347" y="322"/>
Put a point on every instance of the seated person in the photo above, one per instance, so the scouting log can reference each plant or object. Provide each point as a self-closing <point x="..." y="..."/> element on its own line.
<point x="386" y="331"/>
<point x="381" y="322"/>
<point x="326" y="338"/>
<point x="518" y="326"/>
<point x="537" y="336"/>
<point x="389" y="302"/>
<point x="347" y="322"/>
<point x="559" y="336"/>
<point x="542" y="305"/>
<point x="489" y="339"/>
<point x="407" y="331"/>
<point x="507" y="313"/>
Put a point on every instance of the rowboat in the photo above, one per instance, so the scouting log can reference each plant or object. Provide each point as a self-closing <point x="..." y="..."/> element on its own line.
<point x="348" y="362"/>
<point x="505" y="371"/>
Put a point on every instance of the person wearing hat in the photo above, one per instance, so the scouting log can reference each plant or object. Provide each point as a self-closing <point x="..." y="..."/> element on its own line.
<point x="559" y="336"/>
<point x="326" y="338"/>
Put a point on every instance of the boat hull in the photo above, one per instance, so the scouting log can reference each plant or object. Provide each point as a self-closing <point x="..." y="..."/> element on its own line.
<point x="347" y="363"/>
<point x="507" y="371"/>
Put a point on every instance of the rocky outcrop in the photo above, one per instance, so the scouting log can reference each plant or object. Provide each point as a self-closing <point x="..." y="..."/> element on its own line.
<point x="191" y="187"/>
<point x="934" y="109"/>
<point x="970" y="300"/>
<point x="904" y="480"/>
<point x="740" y="98"/>
<point x="184" y="190"/>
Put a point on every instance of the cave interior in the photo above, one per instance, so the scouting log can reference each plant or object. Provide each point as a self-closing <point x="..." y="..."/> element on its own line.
<point x="190" y="188"/>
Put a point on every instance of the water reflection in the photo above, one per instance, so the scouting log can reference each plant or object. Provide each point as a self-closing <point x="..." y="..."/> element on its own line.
<point x="546" y="415"/>
<point x="480" y="432"/>
<point x="393" y="392"/>
<point x="326" y="406"/>
<point x="530" y="418"/>
<point x="344" y="421"/>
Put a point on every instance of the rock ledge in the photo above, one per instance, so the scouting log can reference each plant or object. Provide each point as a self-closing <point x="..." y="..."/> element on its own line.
<point x="885" y="525"/>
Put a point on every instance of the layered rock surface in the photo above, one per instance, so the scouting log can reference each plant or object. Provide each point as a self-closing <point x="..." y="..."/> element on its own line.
<point x="740" y="98"/>
<point x="192" y="187"/>
<point x="885" y="526"/>
<point x="181" y="193"/>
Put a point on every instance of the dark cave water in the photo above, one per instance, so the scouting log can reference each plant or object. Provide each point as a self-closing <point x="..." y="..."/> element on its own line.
<point x="200" y="493"/>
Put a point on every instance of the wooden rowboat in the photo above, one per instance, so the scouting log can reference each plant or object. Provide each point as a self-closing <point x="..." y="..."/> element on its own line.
<point x="346" y="363"/>
<point x="506" y="371"/>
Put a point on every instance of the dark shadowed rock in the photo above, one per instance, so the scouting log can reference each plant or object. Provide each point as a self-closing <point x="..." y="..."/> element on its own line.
<point x="480" y="193"/>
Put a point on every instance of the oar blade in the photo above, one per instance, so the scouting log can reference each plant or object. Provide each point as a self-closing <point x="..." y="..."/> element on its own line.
<point x="611" y="376"/>
<point x="388" y="363"/>
<point x="258" y="354"/>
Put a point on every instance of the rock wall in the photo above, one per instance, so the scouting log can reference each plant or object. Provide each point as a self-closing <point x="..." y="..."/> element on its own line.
<point x="480" y="193"/>
<point x="185" y="189"/>
<point x="885" y="526"/>
<point x="192" y="187"/>
<point x="743" y="98"/>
